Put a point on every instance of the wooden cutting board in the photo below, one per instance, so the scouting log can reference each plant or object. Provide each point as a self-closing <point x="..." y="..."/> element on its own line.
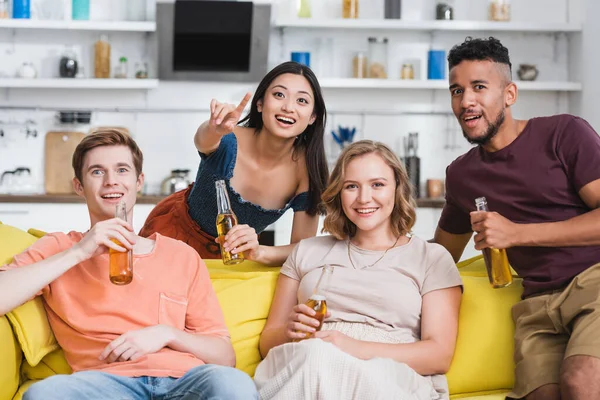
<point x="58" y="157"/>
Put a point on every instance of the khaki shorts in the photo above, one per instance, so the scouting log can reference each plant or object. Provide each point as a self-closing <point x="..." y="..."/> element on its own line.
<point x="551" y="327"/>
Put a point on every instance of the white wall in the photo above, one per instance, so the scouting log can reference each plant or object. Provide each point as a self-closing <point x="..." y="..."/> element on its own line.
<point x="166" y="118"/>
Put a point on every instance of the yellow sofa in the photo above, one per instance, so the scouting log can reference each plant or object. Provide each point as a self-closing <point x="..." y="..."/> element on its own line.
<point x="482" y="367"/>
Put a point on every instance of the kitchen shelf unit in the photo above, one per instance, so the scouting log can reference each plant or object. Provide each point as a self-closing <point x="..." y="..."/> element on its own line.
<point x="352" y="83"/>
<point x="115" y="26"/>
<point x="76" y="83"/>
<point x="426" y="26"/>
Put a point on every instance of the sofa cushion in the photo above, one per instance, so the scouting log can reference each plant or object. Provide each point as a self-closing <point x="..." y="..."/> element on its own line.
<point x="33" y="331"/>
<point x="10" y="359"/>
<point x="14" y="241"/>
<point x="483" y="360"/>
<point x="29" y="321"/>
<point x="54" y="363"/>
<point x="245" y="292"/>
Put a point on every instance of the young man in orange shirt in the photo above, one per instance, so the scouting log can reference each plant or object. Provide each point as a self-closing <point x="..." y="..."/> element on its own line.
<point x="162" y="336"/>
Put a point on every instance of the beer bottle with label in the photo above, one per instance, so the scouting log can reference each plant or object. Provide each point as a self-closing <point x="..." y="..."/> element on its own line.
<point x="120" y="263"/>
<point x="226" y="220"/>
<point x="496" y="260"/>
<point x="318" y="301"/>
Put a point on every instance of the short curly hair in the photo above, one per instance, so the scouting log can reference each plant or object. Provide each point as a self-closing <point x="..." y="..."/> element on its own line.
<point x="479" y="50"/>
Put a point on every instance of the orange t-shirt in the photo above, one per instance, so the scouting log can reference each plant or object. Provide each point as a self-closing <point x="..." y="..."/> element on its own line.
<point x="86" y="311"/>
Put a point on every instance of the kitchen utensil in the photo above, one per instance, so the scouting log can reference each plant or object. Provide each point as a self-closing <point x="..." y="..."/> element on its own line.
<point x="412" y="162"/>
<point x="178" y="180"/>
<point x="58" y="154"/>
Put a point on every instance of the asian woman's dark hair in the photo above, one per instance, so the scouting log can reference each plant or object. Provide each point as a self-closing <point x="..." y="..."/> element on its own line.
<point x="311" y="140"/>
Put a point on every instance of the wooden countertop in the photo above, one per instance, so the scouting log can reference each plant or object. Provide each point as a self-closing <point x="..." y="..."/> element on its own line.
<point x="63" y="198"/>
<point x="72" y="198"/>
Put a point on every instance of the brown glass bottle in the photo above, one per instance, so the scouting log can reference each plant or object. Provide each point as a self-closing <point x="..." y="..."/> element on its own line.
<point x="120" y="263"/>
<point x="496" y="260"/>
<point x="226" y="220"/>
<point x="318" y="300"/>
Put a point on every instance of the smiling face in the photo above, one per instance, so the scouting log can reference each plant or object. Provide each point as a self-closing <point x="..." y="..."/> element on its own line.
<point x="481" y="93"/>
<point x="368" y="193"/>
<point x="108" y="177"/>
<point x="288" y="106"/>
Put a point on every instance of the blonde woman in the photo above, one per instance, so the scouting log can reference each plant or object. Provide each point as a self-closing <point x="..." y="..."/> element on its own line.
<point x="393" y="298"/>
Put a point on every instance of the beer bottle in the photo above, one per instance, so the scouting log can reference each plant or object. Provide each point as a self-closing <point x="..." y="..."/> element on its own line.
<point x="226" y="220"/>
<point x="318" y="301"/>
<point x="496" y="260"/>
<point x="120" y="263"/>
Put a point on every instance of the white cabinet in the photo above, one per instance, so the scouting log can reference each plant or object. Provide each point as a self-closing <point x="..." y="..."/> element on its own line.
<point x="61" y="217"/>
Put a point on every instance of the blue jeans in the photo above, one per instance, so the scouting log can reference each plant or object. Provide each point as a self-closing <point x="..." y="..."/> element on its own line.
<point x="202" y="382"/>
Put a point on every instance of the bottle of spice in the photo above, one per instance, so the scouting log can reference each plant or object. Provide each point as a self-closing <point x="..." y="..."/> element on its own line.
<point x="499" y="10"/>
<point x="359" y="66"/>
<point x="102" y="58"/>
<point x="350" y="8"/>
<point x="3" y="9"/>
<point x="407" y="71"/>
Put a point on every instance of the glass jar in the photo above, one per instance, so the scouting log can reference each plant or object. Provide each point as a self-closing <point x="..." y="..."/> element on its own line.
<point x="3" y="9"/>
<point x="378" y="58"/>
<point x="303" y="8"/>
<point x="359" y="66"/>
<point x="350" y="8"/>
<point x="141" y="70"/>
<point x="499" y="10"/>
<point x="121" y="69"/>
<point x="407" y="71"/>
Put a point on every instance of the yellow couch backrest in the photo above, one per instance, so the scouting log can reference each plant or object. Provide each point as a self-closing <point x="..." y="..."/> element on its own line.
<point x="482" y="362"/>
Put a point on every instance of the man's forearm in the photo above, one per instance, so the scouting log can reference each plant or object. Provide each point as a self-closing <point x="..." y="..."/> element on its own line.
<point x="583" y="230"/>
<point x="210" y="349"/>
<point x="18" y="285"/>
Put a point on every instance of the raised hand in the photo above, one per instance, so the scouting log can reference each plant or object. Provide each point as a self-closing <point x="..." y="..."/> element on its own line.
<point x="224" y="117"/>
<point x="103" y="236"/>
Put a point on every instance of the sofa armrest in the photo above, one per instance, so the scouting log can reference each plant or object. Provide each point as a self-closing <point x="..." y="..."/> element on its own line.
<point x="10" y="360"/>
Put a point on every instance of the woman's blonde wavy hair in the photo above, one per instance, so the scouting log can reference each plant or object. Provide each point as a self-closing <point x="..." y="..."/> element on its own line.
<point x="403" y="215"/>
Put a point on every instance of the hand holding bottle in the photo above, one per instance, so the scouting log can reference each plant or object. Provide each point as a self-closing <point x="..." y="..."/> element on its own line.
<point x="303" y="322"/>
<point x="493" y="230"/>
<point x="224" y="117"/>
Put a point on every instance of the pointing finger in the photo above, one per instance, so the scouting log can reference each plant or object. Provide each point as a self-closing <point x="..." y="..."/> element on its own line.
<point x="244" y="102"/>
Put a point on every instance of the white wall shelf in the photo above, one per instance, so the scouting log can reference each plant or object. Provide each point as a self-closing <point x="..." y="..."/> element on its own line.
<point x="350" y="83"/>
<point x="75" y="83"/>
<point x="123" y="26"/>
<point x="427" y="26"/>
